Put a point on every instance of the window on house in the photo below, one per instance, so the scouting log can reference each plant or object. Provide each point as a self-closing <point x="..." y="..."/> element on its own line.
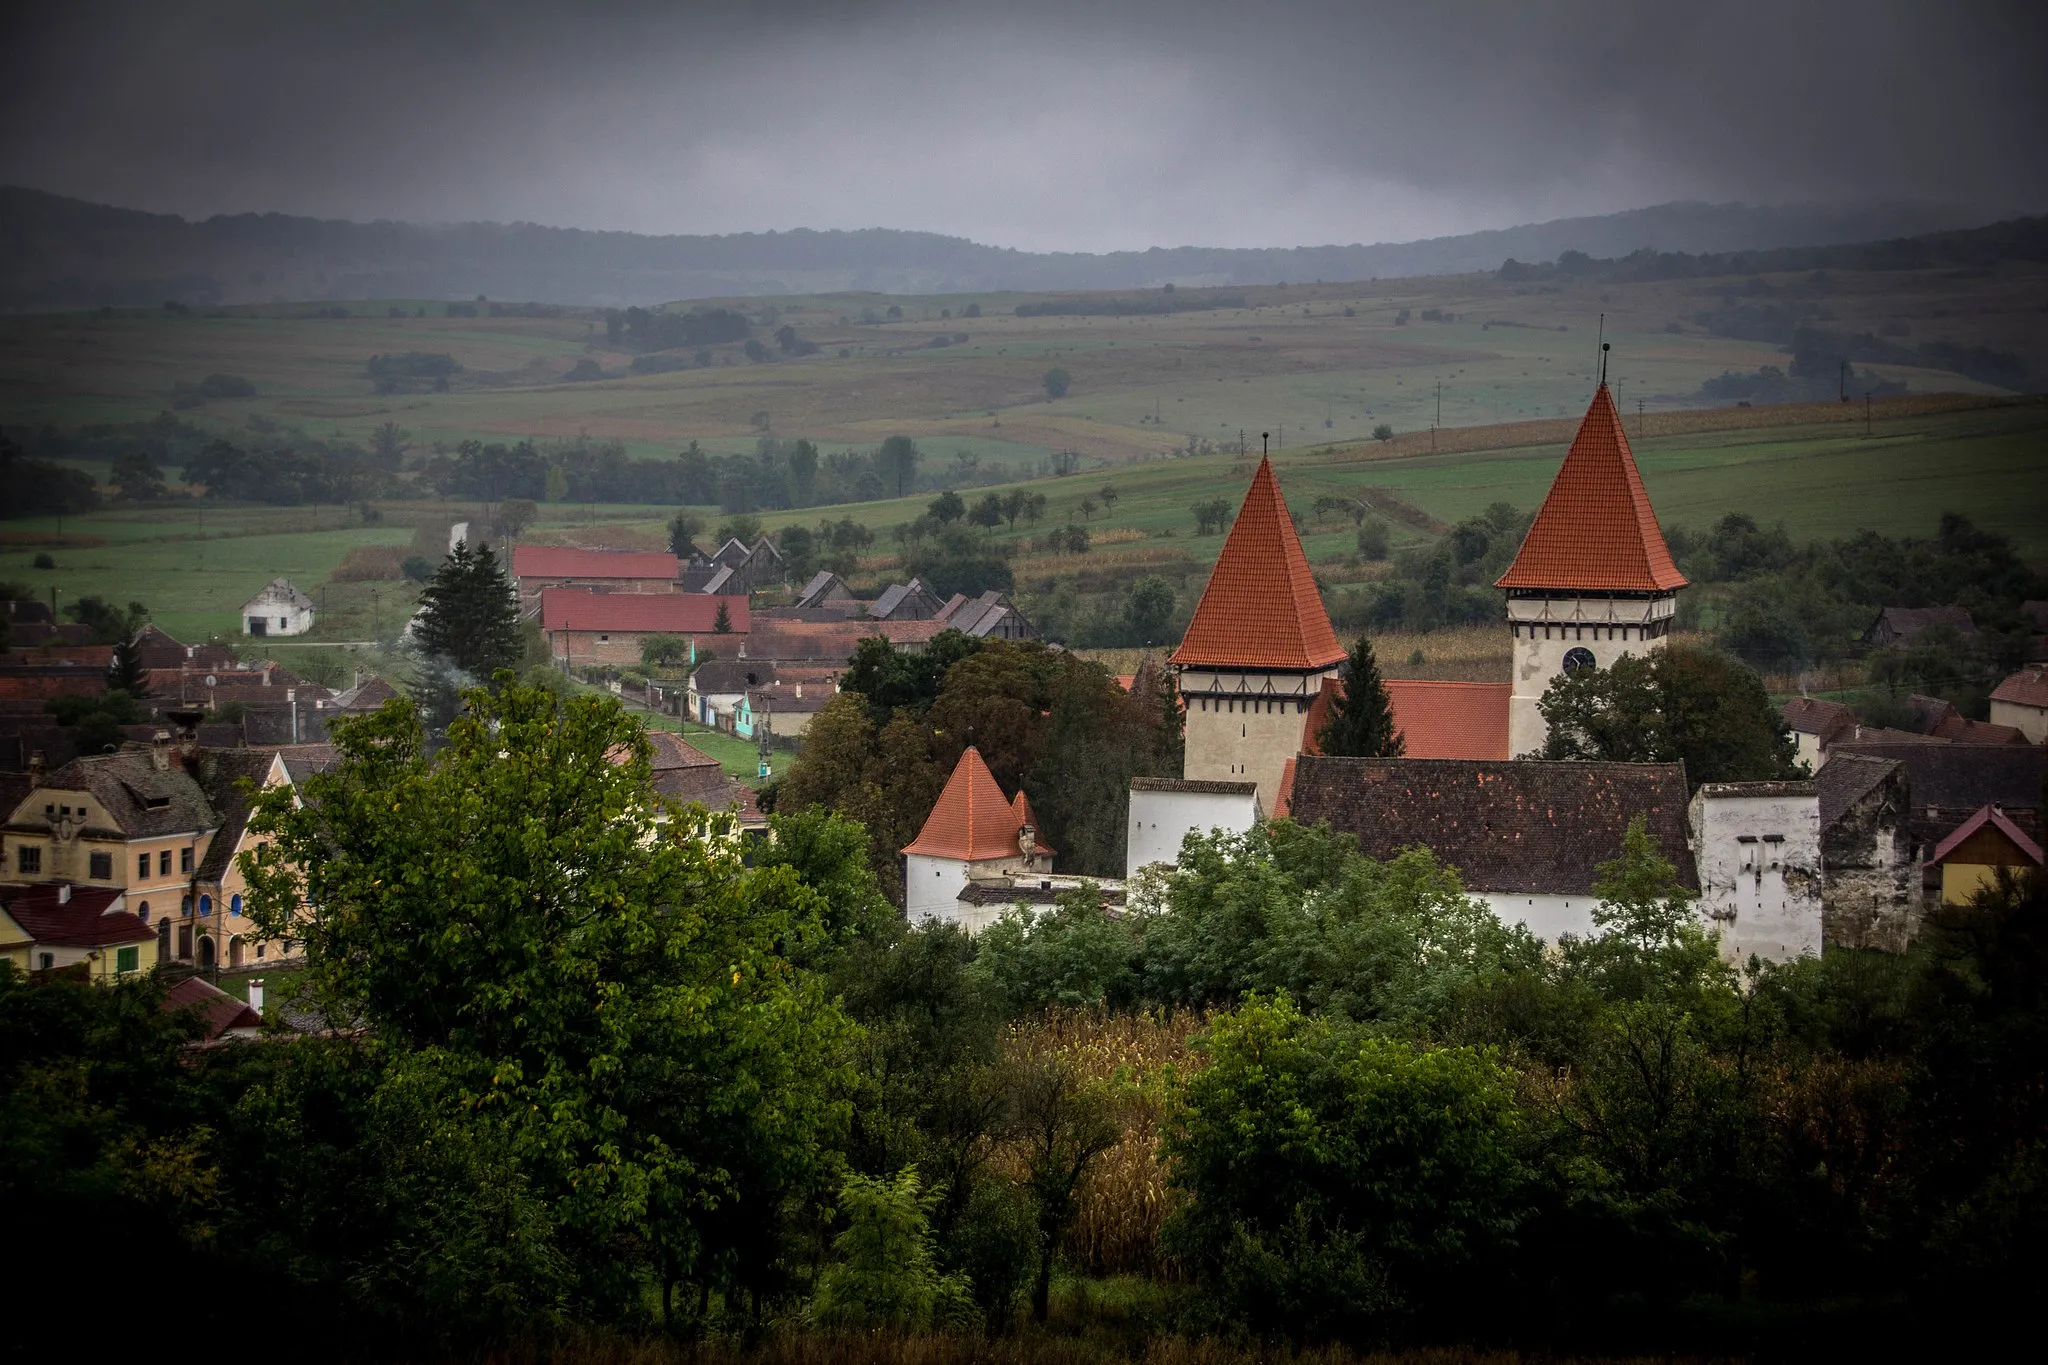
<point x="235" y="905"/>
<point x="163" y="863"/>
<point x="141" y="866"/>
<point x="100" y="867"/>
<point x="184" y="860"/>
<point x="127" y="959"/>
<point x="259" y="952"/>
<point x="28" y="858"/>
<point x="205" y="906"/>
<point x="46" y="960"/>
<point x="142" y="912"/>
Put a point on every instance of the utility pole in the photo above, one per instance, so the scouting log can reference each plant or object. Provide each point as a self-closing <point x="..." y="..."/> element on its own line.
<point x="1439" y="414"/>
<point x="1866" y="414"/>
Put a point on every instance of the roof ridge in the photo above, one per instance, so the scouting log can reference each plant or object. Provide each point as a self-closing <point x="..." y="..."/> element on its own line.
<point x="1596" y="530"/>
<point x="1241" y="620"/>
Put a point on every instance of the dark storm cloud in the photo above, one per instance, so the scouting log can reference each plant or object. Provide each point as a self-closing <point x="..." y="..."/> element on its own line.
<point x="1052" y="125"/>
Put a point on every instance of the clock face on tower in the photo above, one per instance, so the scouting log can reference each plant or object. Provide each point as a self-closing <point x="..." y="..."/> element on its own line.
<point x="1579" y="659"/>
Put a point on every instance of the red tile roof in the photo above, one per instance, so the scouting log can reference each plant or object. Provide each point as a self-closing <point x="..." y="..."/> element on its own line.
<point x="1020" y="809"/>
<point x="1261" y="608"/>
<point x="564" y="561"/>
<point x="1596" y="530"/>
<point x="216" y="1007"/>
<point x="1818" y="716"/>
<point x="1994" y="817"/>
<point x="972" y="819"/>
<point x="1963" y="730"/>
<point x="2029" y="687"/>
<point x="1436" y="719"/>
<point x="674" y="613"/>
<point x="80" y="922"/>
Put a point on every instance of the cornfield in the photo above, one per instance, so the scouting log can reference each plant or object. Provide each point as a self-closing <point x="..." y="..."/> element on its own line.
<point x="1124" y="1199"/>
<point x="371" y="564"/>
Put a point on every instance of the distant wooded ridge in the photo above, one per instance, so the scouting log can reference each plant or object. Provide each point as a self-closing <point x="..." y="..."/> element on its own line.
<point x="59" y="253"/>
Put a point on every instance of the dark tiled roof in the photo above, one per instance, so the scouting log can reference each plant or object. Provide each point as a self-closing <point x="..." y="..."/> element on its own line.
<point x="1519" y="826"/>
<point x="733" y="675"/>
<point x="1847" y="778"/>
<point x="1909" y="622"/>
<point x="82" y="921"/>
<point x="366" y="696"/>
<point x="144" y="802"/>
<point x="221" y="772"/>
<point x="1961" y="776"/>
<point x="1197" y="786"/>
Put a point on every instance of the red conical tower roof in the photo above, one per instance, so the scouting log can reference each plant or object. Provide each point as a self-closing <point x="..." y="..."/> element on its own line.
<point x="972" y="819"/>
<point x="1261" y="608"/>
<point x="1596" y="531"/>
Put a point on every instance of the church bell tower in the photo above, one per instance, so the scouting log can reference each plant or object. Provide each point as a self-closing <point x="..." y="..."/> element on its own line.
<point x="1257" y="651"/>
<point x="1593" y="580"/>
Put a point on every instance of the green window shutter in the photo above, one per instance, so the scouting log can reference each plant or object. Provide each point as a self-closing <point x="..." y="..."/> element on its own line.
<point x="126" y="959"/>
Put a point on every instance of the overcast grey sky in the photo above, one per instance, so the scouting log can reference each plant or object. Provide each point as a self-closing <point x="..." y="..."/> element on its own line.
<point x="1049" y="125"/>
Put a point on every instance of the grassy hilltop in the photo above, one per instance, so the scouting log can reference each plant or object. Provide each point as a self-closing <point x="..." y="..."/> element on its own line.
<point x="1159" y="408"/>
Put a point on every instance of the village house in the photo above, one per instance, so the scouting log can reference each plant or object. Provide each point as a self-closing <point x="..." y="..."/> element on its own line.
<point x="1904" y="625"/>
<point x="1815" y="724"/>
<point x="56" y="926"/>
<point x="2021" y="702"/>
<point x="827" y="592"/>
<point x="974" y="835"/>
<point x="1980" y="848"/>
<point x="162" y="825"/>
<point x="221" y="1017"/>
<point x="734" y="569"/>
<point x="280" y="609"/>
<point x="585" y="627"/>
<point x="539" y="567"/>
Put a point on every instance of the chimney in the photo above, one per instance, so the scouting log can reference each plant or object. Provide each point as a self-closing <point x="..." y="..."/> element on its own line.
<point x="64" y="894"/>
<point x="160" y="750"/>
<point x="799" y="691"/>
<point x="37" y="767"/>
<point x="256" y="994"/>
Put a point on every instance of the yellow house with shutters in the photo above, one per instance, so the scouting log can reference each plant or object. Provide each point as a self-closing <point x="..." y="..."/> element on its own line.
<point x="54" y="927"/>
<point x="1972" y="855"/>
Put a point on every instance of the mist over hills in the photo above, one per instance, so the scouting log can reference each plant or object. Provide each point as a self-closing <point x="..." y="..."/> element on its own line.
<point x="58" y="253"/>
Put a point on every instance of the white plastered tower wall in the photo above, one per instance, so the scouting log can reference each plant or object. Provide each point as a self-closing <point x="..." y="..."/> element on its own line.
<point x="1549" y="626"/>
<point x="1757" y="848"/>
<point x="1243" y="726"/>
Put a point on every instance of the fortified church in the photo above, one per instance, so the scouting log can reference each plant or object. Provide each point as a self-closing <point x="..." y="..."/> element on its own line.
<point x="1593" y="581"/>
<point x="1260" y="668"/>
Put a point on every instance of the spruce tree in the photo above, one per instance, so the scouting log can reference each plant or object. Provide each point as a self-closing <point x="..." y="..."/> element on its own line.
<point x="722" y="623"/>
<point x="1361" y="723"/>
<point x="469" y="616"/>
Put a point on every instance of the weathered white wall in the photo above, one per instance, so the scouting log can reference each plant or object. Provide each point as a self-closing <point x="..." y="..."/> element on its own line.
<point x="1808" y="749"/>
<point x="1159" y="821"/>
<point x="1545" y="916"/>
<point x="932" y="886"/>
<point x="1757" y="847"/>
<point x="1546" y="628"/>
